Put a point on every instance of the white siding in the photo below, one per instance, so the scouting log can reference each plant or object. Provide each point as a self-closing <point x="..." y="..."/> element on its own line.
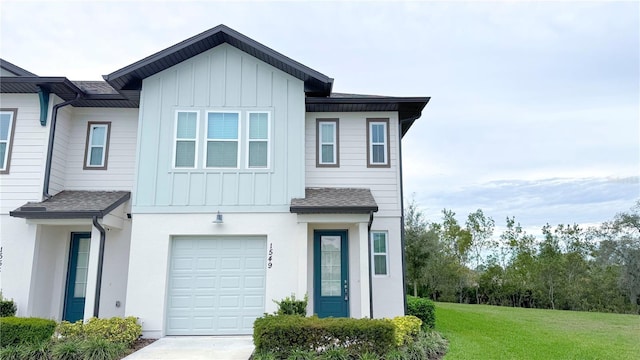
<point x="25" y="178"/>
<point x="120" y="171"/>
<point x="60" y="146"/>
<point x="353" y="171"/>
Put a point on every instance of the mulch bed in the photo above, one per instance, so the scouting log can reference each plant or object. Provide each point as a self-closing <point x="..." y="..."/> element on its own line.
<point x="139" y="344"/>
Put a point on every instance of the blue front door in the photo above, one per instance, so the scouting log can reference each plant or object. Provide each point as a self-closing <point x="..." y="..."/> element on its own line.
<point x="77" y="277"/>
<point x="331" y="273"/>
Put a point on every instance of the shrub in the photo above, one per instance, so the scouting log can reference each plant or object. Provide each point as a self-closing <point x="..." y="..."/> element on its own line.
<point x="299" y="354"/>
<point x="12" y="353"/>
<point x="335" y="353"/>
<point x="434" y="345"/>
<point x="16" y="331"/>
<point x="283" y="333"/>
<point x="36" y="351"/>
<point x="117" y="330"/>
<point x="291" y="306"/>
<point x="422" y="308"/>
<point x="7" y="307"/>
<point x="102" y="349"/>
<point x="406" y="328"/>
<point x="263" y="355"/>
<point x="67" y="350"/>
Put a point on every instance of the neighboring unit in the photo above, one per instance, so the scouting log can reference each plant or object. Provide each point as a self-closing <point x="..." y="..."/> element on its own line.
<point x="195" y="186"/>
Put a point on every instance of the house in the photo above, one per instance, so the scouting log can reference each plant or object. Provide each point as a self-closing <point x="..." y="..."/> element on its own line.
<point x="197" y="185"/>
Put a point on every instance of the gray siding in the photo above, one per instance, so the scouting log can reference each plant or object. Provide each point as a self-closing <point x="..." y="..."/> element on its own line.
<point x="222" y="78"/>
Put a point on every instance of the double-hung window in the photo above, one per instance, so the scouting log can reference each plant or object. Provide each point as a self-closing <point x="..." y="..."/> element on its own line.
<point x="222" y="139"/>
<point x="96" y="152"/>
<point x="378" y="142"/>
<point x="7" y="128"/>
<point x="380" y="255"/>
<point x="327" y="151"/>
<point x="186" y="139"/>
<point x="258" y="140"/>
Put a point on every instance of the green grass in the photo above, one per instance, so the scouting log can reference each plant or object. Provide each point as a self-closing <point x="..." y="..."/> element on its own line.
<point x="494" y="332"/>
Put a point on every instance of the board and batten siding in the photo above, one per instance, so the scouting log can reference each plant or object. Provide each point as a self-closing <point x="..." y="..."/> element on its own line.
<point x="353" y="171"/>
<point x="221" y="79"/>
<point x="24" y="181"/>
<point x="120" y="172"/>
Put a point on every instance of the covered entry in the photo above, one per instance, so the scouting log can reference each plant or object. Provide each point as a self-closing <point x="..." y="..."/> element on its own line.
<point x="216" y="285"/>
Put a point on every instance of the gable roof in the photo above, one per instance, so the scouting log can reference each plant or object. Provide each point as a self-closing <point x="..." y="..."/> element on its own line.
<point x="14" y="69"/>
<point x="129" y="78"/>
<point x="335" y="201"/>
<point x="73" y="205"/>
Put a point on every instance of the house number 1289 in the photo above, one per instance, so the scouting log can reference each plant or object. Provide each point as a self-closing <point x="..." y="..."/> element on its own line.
<point x="270" y="258"/>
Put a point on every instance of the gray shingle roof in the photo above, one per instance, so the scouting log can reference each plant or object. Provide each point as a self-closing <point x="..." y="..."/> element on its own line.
<point x="73" y="205"/>
<point x="95" y="87"/>
<point x="335" y="201"/>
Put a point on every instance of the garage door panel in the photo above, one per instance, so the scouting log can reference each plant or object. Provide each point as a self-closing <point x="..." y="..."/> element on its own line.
<point x="216" y="285"/>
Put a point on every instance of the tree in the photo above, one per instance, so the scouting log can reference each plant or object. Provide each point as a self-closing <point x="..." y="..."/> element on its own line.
<point x="480" y="229"/>
<point x="415" y="247"/>
<point x="457" y="242"/>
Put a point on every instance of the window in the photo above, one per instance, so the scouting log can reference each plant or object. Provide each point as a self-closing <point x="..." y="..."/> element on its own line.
<point x="186" y="142"/>
<point x="258" y="140"/>
<point x="378" y="142"/>
<point x="222" y="139"/>
<point x="96" y="151"/>
<point x="379" y="253"/>
<point x="7" y="128"/>
<point x="327" y="152"/>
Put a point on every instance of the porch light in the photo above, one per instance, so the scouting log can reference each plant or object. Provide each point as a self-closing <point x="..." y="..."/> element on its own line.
<point x="218" y="219"/>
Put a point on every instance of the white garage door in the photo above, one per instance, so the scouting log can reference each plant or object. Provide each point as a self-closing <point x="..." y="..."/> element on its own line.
<point x="216" y="285"/>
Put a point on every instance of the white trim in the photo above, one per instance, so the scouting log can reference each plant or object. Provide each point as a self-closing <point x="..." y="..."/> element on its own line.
<point x="207" y="140"/>
<point x="334" y="124"/>
<point x="8" y="141"/>
<point x="93" y="126"/>
<point x="384" y="143"/>
<point x="385" y="253"/>
<point x="268" y="139"/>
<point x="175" y="139"/>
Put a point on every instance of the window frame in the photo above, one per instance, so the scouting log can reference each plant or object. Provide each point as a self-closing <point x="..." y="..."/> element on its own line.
<point x="387" y="144"/>
<point x="336" y="144"/>
<point x="249" y="140"/>
<point x="176" y="139"/>
<point x="374" y="253"/>
<point x="207" y="140"/>
<point x="10" y="137"/>
<point x="88" y="146"/>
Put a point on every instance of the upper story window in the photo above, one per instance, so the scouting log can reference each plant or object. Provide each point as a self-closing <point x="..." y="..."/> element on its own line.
<point x="222" y="139"/>
<point x="378" y="142"/>
<point x="186" y="139"/>
<point x="327" y="151"/>
<point x="379" y="253"/>
<point x="258" y="140"/>
<point x="7" y="128"/>
<point x="96" y="152"/>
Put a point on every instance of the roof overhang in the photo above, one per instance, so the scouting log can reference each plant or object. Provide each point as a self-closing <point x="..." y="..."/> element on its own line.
<point x="128" y="80"/>
<point x="73" y="205"/>
<point x="409" y="108"/>
<point x="335" y="201"/>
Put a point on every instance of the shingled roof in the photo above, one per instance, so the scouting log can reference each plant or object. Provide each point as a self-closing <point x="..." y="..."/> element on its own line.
<point x="73" y="205"/>
<point x="335" y="201"/>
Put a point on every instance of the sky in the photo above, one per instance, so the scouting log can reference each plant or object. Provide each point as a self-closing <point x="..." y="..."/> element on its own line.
<point x="534" y="110"/>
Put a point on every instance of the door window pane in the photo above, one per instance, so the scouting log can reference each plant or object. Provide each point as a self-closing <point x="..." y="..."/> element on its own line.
<point x="330" y="266"/>
<point x="82" y="267"/>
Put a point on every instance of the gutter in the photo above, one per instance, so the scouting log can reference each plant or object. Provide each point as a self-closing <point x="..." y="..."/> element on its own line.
<point x="103" y="236"/>
<point x="52" y="132"/>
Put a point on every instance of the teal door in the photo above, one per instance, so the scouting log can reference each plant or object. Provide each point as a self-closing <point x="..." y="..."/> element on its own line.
<point x="331" y="273"/>
<point x="77" y="277"/>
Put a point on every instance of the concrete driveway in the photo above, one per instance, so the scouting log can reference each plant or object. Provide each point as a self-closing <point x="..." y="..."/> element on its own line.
<point x="196" y="347"/>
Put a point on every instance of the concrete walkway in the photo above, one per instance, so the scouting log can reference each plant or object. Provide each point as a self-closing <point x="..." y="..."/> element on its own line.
<point x="196" y="347"/>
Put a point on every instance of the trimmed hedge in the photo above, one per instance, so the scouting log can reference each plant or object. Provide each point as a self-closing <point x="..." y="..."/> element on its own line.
<point x="422" y="308"/>
<point x="16" y="331"/>
<point x="281" y="334"/>
<point x="115" y="329"/>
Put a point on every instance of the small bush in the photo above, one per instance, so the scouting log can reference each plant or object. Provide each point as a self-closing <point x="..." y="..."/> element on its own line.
<point x="115" y="329"/>
<point x="282" y="334"/>
<point x="7" y="307"/>
<point x="299" y="354"/>
<point x="422" y="308"/>
<point x="36" y="351"/>
<point x="12" y="353"/>
<point x="16" y="331"/>
<point x="406" y="328"/>
<point x="335" y="353"/>
<point x="433" y="343"/>
<point x="263" y="355"/>
<point x="67" y="350"/>
<point x="102" y="349"/>
<point x="291" y="306"/>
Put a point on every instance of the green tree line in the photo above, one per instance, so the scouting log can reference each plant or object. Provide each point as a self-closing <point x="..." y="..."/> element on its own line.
<point x="569" y="267"/>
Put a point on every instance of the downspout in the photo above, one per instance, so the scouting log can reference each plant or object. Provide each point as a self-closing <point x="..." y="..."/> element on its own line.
<point x="103" y="236"/>
<point x="52" y="132"/>
<point x="370" y="272"/>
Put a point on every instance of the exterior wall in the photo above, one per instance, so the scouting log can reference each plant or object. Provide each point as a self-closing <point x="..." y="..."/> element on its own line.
<point x="120" y="171"/>
<point x="60" y="150"/>
<point x="353" y="171"/>
<point x="115" y="271"/>
<point x="28" y="156"/>
<point x="223" y="78"/>
<point x="388" y="290"/>
<point x="149" y="257"/>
